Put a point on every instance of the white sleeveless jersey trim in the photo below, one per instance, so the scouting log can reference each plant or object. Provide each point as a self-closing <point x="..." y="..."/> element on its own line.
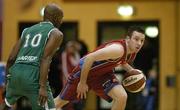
<point x="50" y="32"/>
<point x="46" y="22"/>
<point x="22" y="34"/>
<point x="49" y="35"/>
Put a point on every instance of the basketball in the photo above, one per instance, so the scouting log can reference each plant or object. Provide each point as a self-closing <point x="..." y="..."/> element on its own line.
<point x="134" y="81"/>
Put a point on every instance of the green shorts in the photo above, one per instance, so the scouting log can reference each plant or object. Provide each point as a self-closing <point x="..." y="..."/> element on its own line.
<point x="24" y="81"/>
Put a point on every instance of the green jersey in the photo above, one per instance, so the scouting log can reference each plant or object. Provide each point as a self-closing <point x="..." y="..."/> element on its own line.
<point x="24" y="74"/>
<point x="34" y="40"/>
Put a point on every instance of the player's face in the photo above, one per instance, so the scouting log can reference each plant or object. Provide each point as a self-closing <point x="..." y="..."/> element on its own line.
<point x="136" y="41"/>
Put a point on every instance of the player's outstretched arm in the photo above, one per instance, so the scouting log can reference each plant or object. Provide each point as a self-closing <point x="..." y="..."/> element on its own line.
<point x="54" y="41"/>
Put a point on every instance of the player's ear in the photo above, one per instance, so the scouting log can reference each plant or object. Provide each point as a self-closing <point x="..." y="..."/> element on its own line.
<point x="127" y="37"/>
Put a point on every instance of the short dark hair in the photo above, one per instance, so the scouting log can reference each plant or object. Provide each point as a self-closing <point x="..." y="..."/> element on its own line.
<point x="134" y="28"/>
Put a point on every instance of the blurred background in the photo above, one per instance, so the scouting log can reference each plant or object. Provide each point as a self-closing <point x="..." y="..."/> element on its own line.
<point x="87" y="24"/>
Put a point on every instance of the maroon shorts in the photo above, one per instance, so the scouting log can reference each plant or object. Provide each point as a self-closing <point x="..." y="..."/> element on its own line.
<point x="101" y="85"/>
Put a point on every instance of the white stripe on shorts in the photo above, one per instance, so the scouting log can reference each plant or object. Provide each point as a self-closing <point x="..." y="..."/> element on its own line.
<point x="7" y="103"/>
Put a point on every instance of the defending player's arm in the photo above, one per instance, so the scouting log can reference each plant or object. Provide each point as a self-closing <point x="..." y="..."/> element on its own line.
<point x="53" y="43"/>
<point x="13" y="55"/>
<point x="113" y="51"/>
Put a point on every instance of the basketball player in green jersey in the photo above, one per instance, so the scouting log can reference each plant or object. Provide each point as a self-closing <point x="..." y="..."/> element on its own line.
<point x="29" y="61"/>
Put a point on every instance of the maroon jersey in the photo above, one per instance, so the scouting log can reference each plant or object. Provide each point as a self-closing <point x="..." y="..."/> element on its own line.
<point x="100" y="78"/>
<point x="102" y="67"/>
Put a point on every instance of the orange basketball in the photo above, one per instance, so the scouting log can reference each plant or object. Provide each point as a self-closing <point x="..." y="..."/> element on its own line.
<point x="134" y="81"/>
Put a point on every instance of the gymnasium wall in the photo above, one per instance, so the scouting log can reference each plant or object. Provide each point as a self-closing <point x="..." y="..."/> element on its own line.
<point x="88" y="14"/>
<point x="178" y="55"/>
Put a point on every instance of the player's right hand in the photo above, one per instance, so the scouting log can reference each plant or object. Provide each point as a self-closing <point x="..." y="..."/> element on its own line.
<point x="82" y="89"/>
<point x="42" y="96"/>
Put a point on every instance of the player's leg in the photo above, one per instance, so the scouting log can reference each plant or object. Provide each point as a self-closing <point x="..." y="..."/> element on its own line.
<point x="11" y="98"/>
<point x="33" y="98"/>
<point x="109" y="88"/>
<point x="59" y="103"/>
<point x="5" y="107"/>
<point x="23" y="103"/>
<point x="67" y="94"/>
<point x="119" y="96"/>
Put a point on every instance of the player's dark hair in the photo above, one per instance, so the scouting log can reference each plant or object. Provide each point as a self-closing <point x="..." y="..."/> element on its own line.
<point x="134" y="28"/>
<point x="54" y="14"/>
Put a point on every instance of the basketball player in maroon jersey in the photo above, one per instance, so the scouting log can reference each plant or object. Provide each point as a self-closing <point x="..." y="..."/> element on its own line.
<point x="95" y="71"/>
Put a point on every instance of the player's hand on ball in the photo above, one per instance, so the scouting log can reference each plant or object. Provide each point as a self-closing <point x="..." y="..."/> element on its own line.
<point x="82" y="89"/>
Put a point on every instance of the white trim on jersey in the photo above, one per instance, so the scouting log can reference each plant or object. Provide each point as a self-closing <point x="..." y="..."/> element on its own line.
<point x="23" y="32"/>
<point x="50" y="32"/>
<point x="46" y="22"/>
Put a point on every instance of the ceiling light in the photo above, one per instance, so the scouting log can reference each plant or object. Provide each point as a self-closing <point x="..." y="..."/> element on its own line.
<point x="152" y="31"/>
<point x="125" y="10"/>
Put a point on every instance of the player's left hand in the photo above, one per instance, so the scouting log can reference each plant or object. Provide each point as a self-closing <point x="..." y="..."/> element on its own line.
<point x="42" y="96"/>
<point x="82" y="88"/>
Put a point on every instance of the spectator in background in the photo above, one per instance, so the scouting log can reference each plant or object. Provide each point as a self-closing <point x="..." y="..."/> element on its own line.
<point x="150" y="91"/>
<point x="83" y="48"/>
<point x="69" y="59"/>
<point x="82" y="51"/>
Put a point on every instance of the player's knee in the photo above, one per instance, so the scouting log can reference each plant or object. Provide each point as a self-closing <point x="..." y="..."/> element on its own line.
<point x="5" y="107"/>
<point x="124" y="96"/>
<point x="121" y="97"/>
